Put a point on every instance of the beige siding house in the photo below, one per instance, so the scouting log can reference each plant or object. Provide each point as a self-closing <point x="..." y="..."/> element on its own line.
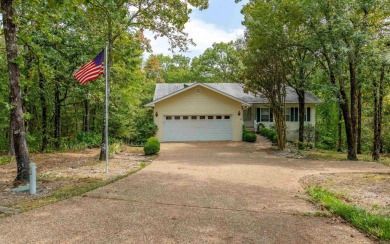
<point x="218" y="111"/>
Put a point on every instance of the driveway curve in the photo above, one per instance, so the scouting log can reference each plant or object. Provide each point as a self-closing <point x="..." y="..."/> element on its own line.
<point x="230" y="192"/>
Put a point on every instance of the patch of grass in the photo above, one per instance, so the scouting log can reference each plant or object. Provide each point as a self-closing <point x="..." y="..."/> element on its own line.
<point x="321" y="154"/>
<point x="4" y="160"/>
<point x="49" y="177"/>
<point x="115" y="148"/>
<point x="71" y="191"/>
<point x="376" y="225"/>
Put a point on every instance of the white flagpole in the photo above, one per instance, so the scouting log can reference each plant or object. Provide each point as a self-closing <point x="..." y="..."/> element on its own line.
<point x="106" y="115"/>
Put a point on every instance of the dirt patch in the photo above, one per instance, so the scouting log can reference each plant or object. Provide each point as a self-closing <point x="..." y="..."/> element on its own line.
<point x="370" y="191"/>
<point x="68" y="170"/>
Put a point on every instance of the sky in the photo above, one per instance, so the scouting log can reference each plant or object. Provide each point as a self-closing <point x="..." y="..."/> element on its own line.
<point x="221" y="22"/>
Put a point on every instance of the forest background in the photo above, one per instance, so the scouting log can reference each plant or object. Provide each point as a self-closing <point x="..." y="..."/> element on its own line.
<point x="339" y="50"/>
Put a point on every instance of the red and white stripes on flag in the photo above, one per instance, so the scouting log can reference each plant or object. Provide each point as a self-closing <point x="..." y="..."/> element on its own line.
<point x="91" y="70"/>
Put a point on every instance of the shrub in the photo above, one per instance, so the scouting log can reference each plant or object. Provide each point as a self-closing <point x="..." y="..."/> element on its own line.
<point x="301" y="145"/>
<point x="270" y="134"/>
<point x="275" y="138"/>
<point x="114" y="148"/>
<point x="243" y="132"/>
<point x="327" y="142"/>
<point x="309" y="133"/>
<point x="250" y="137"/>
<point x="89" y="139"/>
<point x="260" y="126"/>
<point x="309" y="145"/>
<point x="386" y="142"/>
<point x="152" y="146"/>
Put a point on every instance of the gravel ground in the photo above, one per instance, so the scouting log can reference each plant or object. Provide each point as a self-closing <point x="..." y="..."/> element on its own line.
<point x="370" y="191"/>
<point x="218" y="192"/>
<point x="56" y="170"/>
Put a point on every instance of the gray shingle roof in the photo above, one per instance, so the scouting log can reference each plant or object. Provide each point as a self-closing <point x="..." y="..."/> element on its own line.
<point x="233" y="89"/>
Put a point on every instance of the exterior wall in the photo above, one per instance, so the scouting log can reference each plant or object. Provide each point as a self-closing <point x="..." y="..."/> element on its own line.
<point x="292" y="127"/>
<point x="206" y="103"/>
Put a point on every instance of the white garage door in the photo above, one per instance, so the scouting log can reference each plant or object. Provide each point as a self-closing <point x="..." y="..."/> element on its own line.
<point x="198" y="128"/>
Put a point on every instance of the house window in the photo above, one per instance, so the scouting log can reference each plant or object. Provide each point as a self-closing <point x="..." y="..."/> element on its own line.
<point x="218" y="117"/>
<point x="202" y="117"/>
<point x="294" y="114"/>
<point x="264" y="115"/>
<point x="288" y="115"/>
<point x="227" y="117"/>
<point x="308" y="115"/>
<point x="194" y="117"/>
<point x="185" y="117"/>
<point x="210" y="117"/>
<point x="168" y="117"/>
<point x="177" y="117"/>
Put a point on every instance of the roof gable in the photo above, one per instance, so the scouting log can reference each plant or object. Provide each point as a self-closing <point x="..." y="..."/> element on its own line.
<point x="164" y="91"/>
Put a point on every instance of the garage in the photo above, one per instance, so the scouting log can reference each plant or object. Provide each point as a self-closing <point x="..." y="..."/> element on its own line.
<point x="197" y="128"/>
<point x="197" y="112"/>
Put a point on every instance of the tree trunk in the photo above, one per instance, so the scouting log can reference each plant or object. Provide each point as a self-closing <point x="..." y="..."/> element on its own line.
<point x="44" y="110"/>
<point x="378" y="106"/>
<point x="11" y="144"/>
<point x="57" y="117"/>
<point x="354" y="110"/>
<point x="359" y="124"/>
<point x="349" y="122"/>
<point x="86" y="116"/>
<point x="349" y="128"/>
<point x="21" y="149"/>
<point x="339" y="132"/>
<point x="301" y="111"/>
<point x="376" y="141"/>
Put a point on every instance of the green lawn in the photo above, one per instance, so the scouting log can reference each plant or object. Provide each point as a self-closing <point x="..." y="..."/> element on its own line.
<point x="376" y="225"/>
<point x="4" y="160"/>
<point x="321" y="154"/>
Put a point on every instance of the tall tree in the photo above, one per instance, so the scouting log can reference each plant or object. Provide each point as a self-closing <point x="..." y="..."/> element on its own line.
<point x="219" y="63"/>
<point x="339" y="35"/>
<point x="164" y="18"/>
<point x="10" y="34"/>
<point x="266" y="69"/>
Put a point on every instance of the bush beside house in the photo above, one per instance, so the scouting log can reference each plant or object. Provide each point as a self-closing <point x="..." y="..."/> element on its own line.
<point x="152" y="146"/>
<point x="270" y="134"/>
<point x="248" y="136"/>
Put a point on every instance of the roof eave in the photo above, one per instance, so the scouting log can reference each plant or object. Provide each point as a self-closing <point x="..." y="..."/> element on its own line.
<point x="151" y="104"/>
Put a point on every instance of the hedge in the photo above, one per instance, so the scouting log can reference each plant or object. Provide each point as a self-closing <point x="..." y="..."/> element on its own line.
<point x="249" y="136"/>
<point x="270" y="134"/>
<point x="152" y="146"/>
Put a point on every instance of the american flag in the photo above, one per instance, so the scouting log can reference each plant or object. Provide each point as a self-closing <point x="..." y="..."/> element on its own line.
<point x="91" y="70"/>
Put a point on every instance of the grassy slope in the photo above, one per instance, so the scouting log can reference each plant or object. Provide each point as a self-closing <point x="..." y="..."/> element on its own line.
<point x="376" y="225"/>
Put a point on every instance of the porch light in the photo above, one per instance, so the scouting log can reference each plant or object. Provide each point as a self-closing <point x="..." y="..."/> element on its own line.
<point x="156" y="114"/>
<point x="239" y="113"/>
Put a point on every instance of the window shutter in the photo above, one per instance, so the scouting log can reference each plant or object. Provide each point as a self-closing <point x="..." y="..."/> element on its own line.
<point x="308" y="113"/>
<point x="296" y="114"/>
<point x="258" y="114"/>
<point x="271" y="115"/>
<point x="291" y="114"/>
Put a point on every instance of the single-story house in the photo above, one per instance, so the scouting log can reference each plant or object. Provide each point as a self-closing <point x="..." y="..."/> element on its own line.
<point x="218" y="111"/>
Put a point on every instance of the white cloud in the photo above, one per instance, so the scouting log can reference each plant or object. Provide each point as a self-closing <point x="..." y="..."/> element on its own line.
<point x="203" y="34"/>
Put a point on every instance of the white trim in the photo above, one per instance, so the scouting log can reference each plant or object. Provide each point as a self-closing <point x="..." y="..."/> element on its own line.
<point x="151" y="104"/>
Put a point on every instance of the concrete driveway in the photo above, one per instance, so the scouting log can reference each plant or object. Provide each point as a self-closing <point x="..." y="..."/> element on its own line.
<point x="195" y="193"/>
